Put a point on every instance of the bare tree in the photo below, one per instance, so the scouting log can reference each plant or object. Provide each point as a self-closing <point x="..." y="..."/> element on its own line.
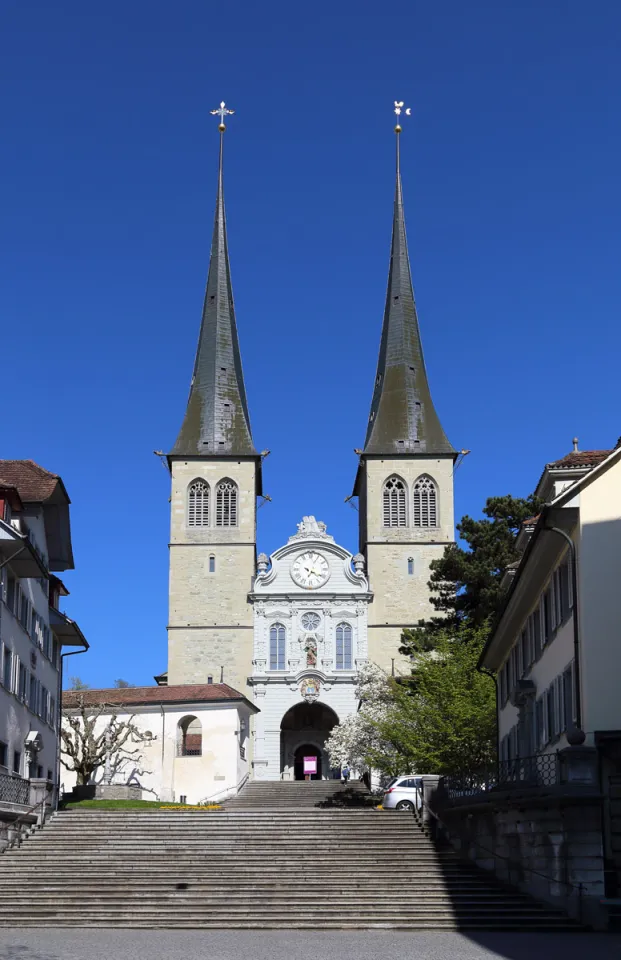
<point x="85" y="750"/>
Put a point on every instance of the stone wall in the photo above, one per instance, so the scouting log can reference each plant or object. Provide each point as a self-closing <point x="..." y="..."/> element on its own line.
<point x="401" y="599"/>
<point x="550" y="847"/>
<point x="210" y="619"/>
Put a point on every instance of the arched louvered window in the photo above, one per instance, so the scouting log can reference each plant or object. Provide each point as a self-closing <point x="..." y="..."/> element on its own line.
<point x="278" y="638"/>
<point x="189" y="737"/>
<point x="198" y="504"/>
<point x="394" y="502"/>
<point x="344" y="647"/>
<point x="425" y="503"/>
<point x="226" y="504"/>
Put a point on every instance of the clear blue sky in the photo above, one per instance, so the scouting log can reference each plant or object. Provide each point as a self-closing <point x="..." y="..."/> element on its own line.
<point x="511" y="175"/>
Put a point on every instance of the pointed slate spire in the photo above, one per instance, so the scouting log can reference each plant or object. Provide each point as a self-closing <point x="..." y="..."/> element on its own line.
<point x="403" y="419"/>
<point x="216" y="421"/>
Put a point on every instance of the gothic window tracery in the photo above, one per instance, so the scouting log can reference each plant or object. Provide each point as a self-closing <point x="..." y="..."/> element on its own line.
<point x="226" y="503"/>
<point x="425" y="507"/>
<point x="278" y="637"/>
<point x="344" y="646"/>
<point x="198" y="504"/>
<point x="394" y="502"/>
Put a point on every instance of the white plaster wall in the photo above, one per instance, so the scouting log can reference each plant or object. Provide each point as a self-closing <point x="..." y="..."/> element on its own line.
<point x="165" y="776"/>
<point x="274" y="699"/>
<point x="600" y="600"/>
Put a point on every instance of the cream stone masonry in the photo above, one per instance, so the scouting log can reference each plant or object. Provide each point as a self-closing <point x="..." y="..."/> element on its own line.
<point x="210" y="620"/>
<point x="401" y="597"/>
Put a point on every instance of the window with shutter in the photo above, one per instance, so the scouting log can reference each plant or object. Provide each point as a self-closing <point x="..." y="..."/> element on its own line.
<point x="564" y="590"/>
<point x="226" y="504"/>
<point x="394" y="503"/>
<point x="277" y="646"/>
<point x="425" y="506"/>
<point x="551" y="710"/>
<point x="537" y="632"/>
<point x="522" y="654"/>
<point x="198" y="504"/>
<point x="568" y="698"/>
<point x="43" y="703"/>
<point x="551" y="595"/>
<point x="502" y="684"/>
<point x="7" y="669"/>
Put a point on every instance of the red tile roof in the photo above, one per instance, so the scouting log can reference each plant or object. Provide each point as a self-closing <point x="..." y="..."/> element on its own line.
<point x="33" y="482"/>
<point x="10" y="492"/>
<point x="136" y="696"/>
<point x="581" y="458"/>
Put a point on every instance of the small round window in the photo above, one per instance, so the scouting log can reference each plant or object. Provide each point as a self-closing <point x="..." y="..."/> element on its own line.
<point x="310" y="621"/>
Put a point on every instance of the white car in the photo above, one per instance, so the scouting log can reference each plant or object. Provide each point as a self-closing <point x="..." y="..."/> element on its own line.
<point x="403" y="793"/>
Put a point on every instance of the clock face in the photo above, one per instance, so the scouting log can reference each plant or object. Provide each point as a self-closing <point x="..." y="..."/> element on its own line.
<point x="310" y="570"/>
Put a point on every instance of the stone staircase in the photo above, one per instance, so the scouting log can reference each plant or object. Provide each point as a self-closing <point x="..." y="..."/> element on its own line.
<point x="300" y="794"/>
<point x="291" y="867"/>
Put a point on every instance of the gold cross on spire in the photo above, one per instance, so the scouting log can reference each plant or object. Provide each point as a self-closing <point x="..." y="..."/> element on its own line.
<point x="222" y="111"/>
<point x="398" y="110"/>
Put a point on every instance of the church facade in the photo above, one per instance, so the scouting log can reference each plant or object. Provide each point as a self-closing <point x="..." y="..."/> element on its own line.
<point x="291" y="631"/>
<point x="310" y="602"/>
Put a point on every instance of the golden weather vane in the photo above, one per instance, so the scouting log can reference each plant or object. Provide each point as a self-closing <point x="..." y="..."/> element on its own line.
<point x="398" y="110"/>
<point x="222" y="111"/>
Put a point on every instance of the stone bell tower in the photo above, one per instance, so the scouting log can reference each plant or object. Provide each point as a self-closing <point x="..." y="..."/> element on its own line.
<point x="405" y="474"/>
<point x="216" y="477"/>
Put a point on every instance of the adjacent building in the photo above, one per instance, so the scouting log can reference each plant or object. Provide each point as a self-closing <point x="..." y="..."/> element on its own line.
<point x="556" y="654"/>
<point x="35" y="543"/>
<point x="190" y="743"/>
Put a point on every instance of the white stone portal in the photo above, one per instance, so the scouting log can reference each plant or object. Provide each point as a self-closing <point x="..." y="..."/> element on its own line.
<point x="310" y="601"/>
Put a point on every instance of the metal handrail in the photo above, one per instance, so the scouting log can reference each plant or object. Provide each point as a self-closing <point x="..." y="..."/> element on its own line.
<point x="227" y="790"/>
<point x="10" y="825"/>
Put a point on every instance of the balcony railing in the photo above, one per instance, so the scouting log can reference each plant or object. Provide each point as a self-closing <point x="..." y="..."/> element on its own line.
<point x="14" y="789"/>
<point x="539" y="771"/>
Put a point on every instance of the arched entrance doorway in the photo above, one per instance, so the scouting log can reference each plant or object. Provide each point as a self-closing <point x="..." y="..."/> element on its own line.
<point x="304" y="730"/>
<point x="300" y="755"/>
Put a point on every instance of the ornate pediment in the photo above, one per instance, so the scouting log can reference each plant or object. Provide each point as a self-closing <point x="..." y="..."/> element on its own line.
<point x="311" y="529"/>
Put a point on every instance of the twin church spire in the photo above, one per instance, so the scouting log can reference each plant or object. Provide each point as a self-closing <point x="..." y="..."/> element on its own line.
<point x="403" y="419"/>
<point x="216" y="422"/>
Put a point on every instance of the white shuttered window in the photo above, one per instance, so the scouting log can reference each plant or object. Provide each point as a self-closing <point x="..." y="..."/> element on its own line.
<point x="425" y="503"/>
<point x="226" y="504"/>
<point x="198" y="504"/>
<point x="394" y="502"/>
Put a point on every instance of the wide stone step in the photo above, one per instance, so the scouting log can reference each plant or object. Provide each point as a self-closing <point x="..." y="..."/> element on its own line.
<point x="157" y="923"/>
<point x="277" y="867"/>
<point x="205" y="893"/>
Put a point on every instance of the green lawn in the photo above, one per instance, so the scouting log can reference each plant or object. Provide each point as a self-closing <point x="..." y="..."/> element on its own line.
<point x="126" y="805"/>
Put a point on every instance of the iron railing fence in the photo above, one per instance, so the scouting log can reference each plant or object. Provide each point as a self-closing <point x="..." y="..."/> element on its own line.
<point x="538" y="771"/>
<point x="14" y="789"/>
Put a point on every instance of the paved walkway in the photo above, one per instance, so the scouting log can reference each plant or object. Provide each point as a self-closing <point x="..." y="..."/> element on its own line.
<point x="24" y="944"/>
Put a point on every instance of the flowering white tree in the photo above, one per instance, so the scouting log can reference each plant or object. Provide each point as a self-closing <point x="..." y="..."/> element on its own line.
<point x="357" y="740"/>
